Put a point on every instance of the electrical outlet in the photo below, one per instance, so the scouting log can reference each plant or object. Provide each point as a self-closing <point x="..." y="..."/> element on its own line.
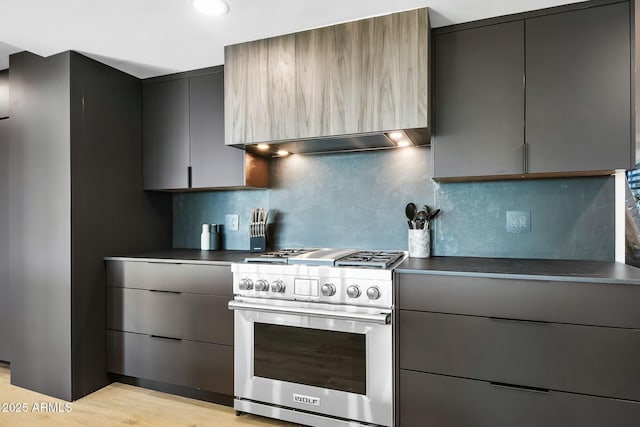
<point x="231" y="222"/>
<point x="518" y="221"/>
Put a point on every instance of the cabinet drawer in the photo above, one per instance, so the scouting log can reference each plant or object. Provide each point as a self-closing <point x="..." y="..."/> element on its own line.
<point x="164" y="276"/>
<point x="428" y="400"/>
<point x="580" y="359"/>
<point x="186" y="363"/>
<point x="563" y="302"/>
<point x="194" y="317"/>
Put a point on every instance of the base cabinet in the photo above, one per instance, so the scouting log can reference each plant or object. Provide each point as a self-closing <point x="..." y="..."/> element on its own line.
<point x="168" y="323"/>
<point x="184" y="363"/>
<point x="504" y="352"/>
<point x="428" y="400"/>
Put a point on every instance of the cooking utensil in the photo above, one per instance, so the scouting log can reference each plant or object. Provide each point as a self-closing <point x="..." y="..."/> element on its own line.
<point x="420" y="220"/>
<point x="410" y="211"/>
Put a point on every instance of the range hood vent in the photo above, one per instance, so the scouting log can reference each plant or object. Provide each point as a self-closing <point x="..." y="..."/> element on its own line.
<point x="340" y="88"/>
<point x="345" y="143"/>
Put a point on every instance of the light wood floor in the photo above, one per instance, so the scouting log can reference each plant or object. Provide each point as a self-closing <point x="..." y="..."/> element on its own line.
<point x="119" y="405"/>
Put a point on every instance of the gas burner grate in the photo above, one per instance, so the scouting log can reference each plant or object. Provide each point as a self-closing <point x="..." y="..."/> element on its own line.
<point x="371" y="259"/>
<point x="278" y="257"/>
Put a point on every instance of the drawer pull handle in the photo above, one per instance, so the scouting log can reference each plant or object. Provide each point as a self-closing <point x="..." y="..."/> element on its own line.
<point x="531" y="322"/>
<point x="520" y="387"/>
<point x="165" y="292"/>
<point x="165" y="338"/>
<point x="170" y="262"/>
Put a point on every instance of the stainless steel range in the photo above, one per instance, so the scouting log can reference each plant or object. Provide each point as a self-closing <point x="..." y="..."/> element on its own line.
<point x="313" y="340"/>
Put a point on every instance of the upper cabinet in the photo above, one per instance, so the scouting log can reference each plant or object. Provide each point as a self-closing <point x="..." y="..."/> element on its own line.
<point x="183" y="136"/>
<point x="546" y="94"/>
<point x="578" y="98"/>
<point x="479" y="101"/>
<point x="358" y="77"/>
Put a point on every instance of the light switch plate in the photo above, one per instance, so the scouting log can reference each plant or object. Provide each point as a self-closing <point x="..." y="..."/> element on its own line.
<point x="518" y="221"/>
<point x="231" y="222"/>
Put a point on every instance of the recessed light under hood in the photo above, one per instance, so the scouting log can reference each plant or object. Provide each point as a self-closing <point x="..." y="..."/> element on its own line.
<point x="345" y="143"/>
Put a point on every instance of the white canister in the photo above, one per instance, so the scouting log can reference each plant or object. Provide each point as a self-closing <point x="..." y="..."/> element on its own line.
<point x="205" y="238"/>
<point x="420" y="243"/>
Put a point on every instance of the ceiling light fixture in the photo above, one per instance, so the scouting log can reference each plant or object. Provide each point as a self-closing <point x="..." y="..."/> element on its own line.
<point x="211" y="7"/>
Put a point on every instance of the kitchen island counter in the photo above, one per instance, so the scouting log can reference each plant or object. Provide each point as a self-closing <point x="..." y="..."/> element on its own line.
<point x="532" y="269"/>
<point x="192" y="256"/>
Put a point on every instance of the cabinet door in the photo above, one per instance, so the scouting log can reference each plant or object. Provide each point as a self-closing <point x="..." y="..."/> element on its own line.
<point x="578" y="90"/>
<point x="185" y="363"/>
<point x="212" y="163"/>
<point x="440" y="401"/>
<point x="572" y="358"/>
<point x="195" y="317"/>
<point x="479" y="101"/>
<point x="165" y="135"/>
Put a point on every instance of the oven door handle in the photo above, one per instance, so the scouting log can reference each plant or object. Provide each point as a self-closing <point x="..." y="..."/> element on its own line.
<point x="381" y="318"/>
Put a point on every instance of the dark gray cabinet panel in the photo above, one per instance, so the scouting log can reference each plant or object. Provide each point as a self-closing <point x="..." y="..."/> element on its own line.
<point x="4" y="94"/>
<point x="184" y="131"/>
<point x="179" y="315"/>
<point x="186" y="363"/>
<point x="40" y="217"/>
<point x="564" y="302"/>
<point x="579" y="359"/>
<point x="165" y="107"/>
<point x="76" y="195"/>
<point x="212" y="163"/>
<point x="479" y="101"/>
<point x="170" y="316"/>
<point x="163" y="276"/>
<point x="437" y="401"/>
<point x="5" y="290"/>
<point x="578" y="90"/>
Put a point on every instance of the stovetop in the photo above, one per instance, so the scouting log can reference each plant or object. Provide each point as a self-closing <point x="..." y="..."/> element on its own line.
<point x="331" y="257"/>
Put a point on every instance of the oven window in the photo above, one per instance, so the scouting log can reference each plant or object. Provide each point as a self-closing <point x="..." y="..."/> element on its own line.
<point x="315" y="357"/>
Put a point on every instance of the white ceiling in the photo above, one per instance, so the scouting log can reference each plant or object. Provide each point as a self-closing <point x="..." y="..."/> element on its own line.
<point x="154" y="37"/>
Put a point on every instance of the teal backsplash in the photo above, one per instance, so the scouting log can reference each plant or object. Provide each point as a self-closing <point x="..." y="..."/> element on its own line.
<point x="357" y="200"/>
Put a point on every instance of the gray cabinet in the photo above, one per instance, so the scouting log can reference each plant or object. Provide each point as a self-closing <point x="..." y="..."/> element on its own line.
<point x="479" y="101"/>
<point x="169" y="322"/>
<point x="578" y="98"/>
<point x="165" y="118"/>
<point x="197" y="365"/>
<point x="5" y="290"/>
<point x="363" y="76"/>
<point x="442" y="401"/>
<point x="536" y="94"/>
<point x="183" y="136"/>
<point x="75" y="197"/>
<point x="500" y="352"/>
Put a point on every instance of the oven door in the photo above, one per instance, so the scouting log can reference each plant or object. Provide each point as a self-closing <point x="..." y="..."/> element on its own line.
<point x="320" y="358"/>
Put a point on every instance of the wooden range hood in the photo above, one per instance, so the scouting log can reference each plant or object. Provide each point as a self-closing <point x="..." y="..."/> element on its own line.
<point x="339" y="88"/>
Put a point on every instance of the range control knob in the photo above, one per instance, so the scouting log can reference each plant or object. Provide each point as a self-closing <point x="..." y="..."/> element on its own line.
<point x="262" y="285"/>
<point x="373" y="293"/>
<point x="278" y="286"/>
<point x="246" y="285"/>
<point x="328" y="290"/>
<point x="353" y="291"/>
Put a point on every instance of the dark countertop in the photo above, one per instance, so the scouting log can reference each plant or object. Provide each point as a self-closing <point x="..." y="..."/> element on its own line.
<point x="535" y="269"/>
<point x="195" y="256"/>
